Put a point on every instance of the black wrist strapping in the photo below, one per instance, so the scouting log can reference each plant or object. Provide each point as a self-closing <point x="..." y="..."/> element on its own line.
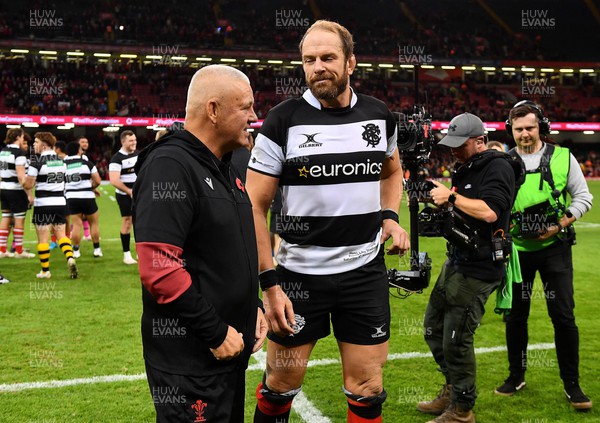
<point x="267" y="279"/>
<point x="390" y="214"/>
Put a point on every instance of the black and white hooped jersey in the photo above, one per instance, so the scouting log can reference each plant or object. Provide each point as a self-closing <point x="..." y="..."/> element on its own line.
<point x="124" y="163"/>
<point x="329" y="164"/>
<point x="78" y="178"/>
<point x="49" y="172"/>
<point x="10" y="157"/>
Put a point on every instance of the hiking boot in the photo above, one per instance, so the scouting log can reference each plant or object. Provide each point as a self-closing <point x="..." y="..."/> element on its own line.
<point x="454" y="414"/>
<point x="438" y="405"/>
<point x="511" y="385"/>
<point x="576" y="397"/>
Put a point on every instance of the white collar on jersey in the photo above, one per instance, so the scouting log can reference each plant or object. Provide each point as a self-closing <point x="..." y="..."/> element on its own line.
<point x="312" y="100"/>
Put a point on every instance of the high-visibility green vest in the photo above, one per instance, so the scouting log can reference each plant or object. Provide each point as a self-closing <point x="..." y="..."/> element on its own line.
<point x="530" y="195"/>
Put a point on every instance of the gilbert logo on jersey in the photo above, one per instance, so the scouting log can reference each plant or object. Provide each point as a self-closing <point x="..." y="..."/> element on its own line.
<point x="310" y="141"/>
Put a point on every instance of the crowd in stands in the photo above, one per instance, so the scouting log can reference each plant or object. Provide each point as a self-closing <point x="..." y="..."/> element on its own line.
<point x="34" y="86"/>
<point x="444" y="30"/>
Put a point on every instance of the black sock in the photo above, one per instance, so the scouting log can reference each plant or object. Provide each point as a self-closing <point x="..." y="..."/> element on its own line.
<point x="125" y="242"/>
<point x="96" y="245"/>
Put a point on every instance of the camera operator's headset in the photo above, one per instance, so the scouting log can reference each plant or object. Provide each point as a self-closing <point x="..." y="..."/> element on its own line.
<point x="544" y="123"/>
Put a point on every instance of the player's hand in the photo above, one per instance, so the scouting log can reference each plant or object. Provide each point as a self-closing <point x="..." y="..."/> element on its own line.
<point x="279" y="311"/>
<point x="30" y="199"/>
<point x="400" y="239"/>
<point x="261" y="331"/>
<point x="96" y="192"/>
<point x="440" y="193"/>
<point x="231" y="347"/>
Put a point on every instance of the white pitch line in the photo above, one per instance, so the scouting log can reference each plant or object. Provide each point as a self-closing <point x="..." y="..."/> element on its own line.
<point x="260" y="366"/>
<point x="101" y="240"/>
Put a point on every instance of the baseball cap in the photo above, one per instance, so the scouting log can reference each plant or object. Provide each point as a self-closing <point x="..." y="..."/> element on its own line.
<point x="461" y="128"/>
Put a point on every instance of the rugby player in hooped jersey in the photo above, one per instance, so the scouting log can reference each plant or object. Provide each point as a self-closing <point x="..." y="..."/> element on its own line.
<point x="122" y="176"/>
<point x="334" y="154"/>
<point x="47" y="174"/>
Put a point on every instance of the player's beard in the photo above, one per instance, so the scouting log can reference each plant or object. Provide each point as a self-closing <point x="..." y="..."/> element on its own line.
<point x="329" y="91"/>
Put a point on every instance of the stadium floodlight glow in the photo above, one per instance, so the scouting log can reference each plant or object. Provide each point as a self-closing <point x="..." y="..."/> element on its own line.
<point x="469" y="68"/>
<point x="48" y="52"/>
<point x="385" y="65"/>
<point x="407" y="66"/>
<point x="275" y="62"/>
<point x="444" y="131"/>
<point x="13" y="126"/>
<point x="128" y="56"/>
<point x="547" y="69"/>
<point x="364" y="65"/>
<point x="31" y="124"/>
<point x="64" y="127"/>
<point x="228" y="60"/>
<point x="488" y="68"/>
<point x="111" y="129"/>
<point x="180" y="58"/>
<point x="204" y="59"/>
<point x="19" y="50"/>
<point x="554" y="132"/>
<point x="75" y="53"/>
<point x="490" y="129"/>
<point x="70" y="124"/>
<point x="566" y="70"/>
<point x="296" y="62"/>
<point x="101" y="54"/>
<point x="508" y="69"/>
<point x="153" y="57"/>
<point x="588" y="132"/>
<point x="427" y="67"/>
<point x="251" y="61"/>
<point x="449" y="67"/>
<point x="586" y="70"/>
<point x="524" y="69"/>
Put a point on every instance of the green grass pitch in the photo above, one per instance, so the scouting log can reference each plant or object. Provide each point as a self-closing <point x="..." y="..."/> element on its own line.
<point x="62" y="329"/>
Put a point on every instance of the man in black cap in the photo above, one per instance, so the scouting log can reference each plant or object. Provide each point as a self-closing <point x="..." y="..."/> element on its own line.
<point x="479" y="203"/>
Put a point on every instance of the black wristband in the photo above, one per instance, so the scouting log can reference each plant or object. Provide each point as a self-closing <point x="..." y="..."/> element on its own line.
<point x="390" y="214"/>
<point x="267" y="279"/>
<point x="452" y="198"/>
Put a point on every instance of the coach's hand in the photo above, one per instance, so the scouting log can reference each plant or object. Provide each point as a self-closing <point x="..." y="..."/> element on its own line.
<point x="400" y="239"/>
<point x="231" y="347"/>
<point x="279" y="311"/>
<point x="261" y="331"/>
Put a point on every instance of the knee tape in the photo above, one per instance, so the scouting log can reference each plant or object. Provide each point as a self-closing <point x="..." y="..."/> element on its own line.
<point x="277" y="397"/>
<point x="365" y="407"/>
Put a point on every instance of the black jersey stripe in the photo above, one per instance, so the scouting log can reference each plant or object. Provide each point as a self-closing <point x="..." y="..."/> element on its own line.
<point x="329" y="231"/>
<point x="46" y="194"/>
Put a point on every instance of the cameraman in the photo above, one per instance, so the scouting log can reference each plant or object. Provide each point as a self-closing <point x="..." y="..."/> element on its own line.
<point x="482" y="194"/>
<point x="543" y="236"/>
